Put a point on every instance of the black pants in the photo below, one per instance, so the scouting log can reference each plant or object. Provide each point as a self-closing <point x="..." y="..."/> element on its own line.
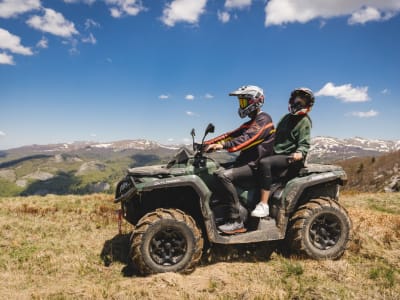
<point x="228" y="178"/>
<point x="273" y="166"/>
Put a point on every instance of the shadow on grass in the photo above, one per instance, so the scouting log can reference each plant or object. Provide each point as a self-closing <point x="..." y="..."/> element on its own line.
<point x="252" y="252"/>
<point x="117" y="250"/>
<point x="61" y="184"/>
<point x="14" y="162"/>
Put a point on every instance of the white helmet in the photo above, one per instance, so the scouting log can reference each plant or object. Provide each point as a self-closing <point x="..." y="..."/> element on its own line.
<point x="250" y="97"/>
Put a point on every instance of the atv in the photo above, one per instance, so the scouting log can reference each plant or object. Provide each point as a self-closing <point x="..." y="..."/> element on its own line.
<point x="175" y="209"/>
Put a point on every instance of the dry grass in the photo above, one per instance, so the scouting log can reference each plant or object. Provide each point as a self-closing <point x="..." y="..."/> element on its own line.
<point x="67" y="247"/>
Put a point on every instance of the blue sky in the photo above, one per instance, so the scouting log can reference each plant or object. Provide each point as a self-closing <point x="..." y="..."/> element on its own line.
<point x="106" y="70"/>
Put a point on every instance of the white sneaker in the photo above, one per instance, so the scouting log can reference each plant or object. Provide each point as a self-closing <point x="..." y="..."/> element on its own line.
<point x="261" y="210"/>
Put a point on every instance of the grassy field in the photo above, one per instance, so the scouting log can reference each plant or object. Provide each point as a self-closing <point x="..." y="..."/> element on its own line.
<point x="68" y="247"/>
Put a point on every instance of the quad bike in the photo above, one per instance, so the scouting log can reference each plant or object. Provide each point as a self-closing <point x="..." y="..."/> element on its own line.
<point x="175" y="208"/>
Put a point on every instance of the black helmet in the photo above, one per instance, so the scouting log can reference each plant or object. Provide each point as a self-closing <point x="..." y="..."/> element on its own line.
<point x="301" y="100"/>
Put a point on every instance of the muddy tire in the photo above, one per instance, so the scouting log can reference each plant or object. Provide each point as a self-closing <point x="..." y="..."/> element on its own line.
<point x="320" y="229"/>
<point x="166" y="240"/>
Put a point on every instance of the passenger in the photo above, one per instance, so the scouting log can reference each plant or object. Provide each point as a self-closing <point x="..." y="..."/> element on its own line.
<point x="292" y="143"/>
<point x="254" y="139"/>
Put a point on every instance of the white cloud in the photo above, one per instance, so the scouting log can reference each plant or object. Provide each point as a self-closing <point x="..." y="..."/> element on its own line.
<point x="89" y="23"/>
<point x="163" y="97"/>
<point x="237" y="3"/>
<point x="279" y="12"/>
<point x="189" y="97"/>
<point x="12" y="8"/>
<point x="11" y="42"/>
<point x="6" y="59"/>
<point x="77" y="1"/>
<point x="122" y="7"/>
<point x="345" y="92"/>
<point x="43" y="43"/>
<point x="89" y="39"/>
<point x="385" y="91"/>
<point x="365" y="114"/>
<point x="54" y="23"/>
<point x="183" y="11"/>
<point x="208" y="96"/>
<point x="365" y="15"/>
<point x="2" y="133"/>
<point x="191" y="114"/>
<point x="224" y="16"/>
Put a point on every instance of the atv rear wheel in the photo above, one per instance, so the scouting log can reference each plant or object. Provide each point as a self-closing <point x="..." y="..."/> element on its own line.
<point x="320" y="229"/>
<point x="166" y="240"/>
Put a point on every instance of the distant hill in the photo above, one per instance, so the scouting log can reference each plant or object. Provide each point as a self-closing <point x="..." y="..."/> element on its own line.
<point x="88" y="167"/>
<point x="376" y="173"/>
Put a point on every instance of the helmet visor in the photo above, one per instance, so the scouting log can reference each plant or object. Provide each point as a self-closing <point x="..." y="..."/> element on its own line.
<point x="243" y="102"/>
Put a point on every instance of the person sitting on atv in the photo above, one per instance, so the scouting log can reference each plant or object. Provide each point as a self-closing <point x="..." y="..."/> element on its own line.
<point x="292" y="143"/>
<point x="254" y="139"/>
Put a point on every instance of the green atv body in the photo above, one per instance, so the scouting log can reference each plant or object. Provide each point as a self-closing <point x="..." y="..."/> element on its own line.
<point x="175" y="208"/>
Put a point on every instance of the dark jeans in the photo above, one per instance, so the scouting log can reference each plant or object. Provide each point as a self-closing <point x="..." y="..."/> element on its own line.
<point x="228" y="179"/>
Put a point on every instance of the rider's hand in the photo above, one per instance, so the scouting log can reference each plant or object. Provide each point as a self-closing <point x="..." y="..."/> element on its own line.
<point x="297" y="156"/>
<point x="213" y="147"/>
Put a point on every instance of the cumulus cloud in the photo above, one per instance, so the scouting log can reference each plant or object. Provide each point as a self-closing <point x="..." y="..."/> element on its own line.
<point x="12" y="8"/>
<point x="163" y="97"/>
<point x="53" y="22"/>
<point x="189" y="97"/>
<point x="6" y="59"/>
<point x="385" y="91"/>
<point x="279" y="12"/>
<point x="2" y="133"/>
<point x="345" y="92"/>
<point x="365" y="114"/>
<point x="208" y="96"/>
<point x="120" y="8"/>
<point x="188" y="11"/>
<point x="364" y="15"/>
<point x="237" y="3"/>
<point x="224" y="16"/>
<point x="12" y="43"/>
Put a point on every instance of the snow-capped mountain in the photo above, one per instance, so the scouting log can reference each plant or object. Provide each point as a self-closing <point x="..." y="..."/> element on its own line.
<point x="323" y="149"/>
<point x="329" y="148"/>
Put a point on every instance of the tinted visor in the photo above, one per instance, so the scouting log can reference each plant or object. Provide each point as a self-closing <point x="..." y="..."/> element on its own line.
<point x="243" y="102"/>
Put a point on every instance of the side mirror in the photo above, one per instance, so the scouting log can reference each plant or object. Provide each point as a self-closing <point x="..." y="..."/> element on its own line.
<point x="210" y="129"/>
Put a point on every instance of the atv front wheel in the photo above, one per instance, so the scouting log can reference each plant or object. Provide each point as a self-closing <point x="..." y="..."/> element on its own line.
<point x="166" y="240"/>
<point x="320" y="229"/>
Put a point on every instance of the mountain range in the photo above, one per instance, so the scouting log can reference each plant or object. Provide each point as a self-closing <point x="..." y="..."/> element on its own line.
<point x="87" y="167"/>
<point x="323" y="149"/>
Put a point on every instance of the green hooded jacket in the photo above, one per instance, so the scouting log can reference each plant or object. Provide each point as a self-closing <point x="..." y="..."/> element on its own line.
<point x="293" y="134"/>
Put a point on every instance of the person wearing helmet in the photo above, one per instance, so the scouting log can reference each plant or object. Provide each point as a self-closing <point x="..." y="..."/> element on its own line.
<point x="254" y="140"/>
<point x="292" y="143"/>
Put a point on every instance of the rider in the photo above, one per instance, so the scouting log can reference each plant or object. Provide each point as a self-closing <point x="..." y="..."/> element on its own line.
<point x="254" y="139"/>
<point x="292" y="139"/>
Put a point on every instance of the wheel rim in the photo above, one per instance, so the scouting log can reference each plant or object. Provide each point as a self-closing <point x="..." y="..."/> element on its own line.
<point x="168" y="247"/>
<point x="325" y="231"/>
